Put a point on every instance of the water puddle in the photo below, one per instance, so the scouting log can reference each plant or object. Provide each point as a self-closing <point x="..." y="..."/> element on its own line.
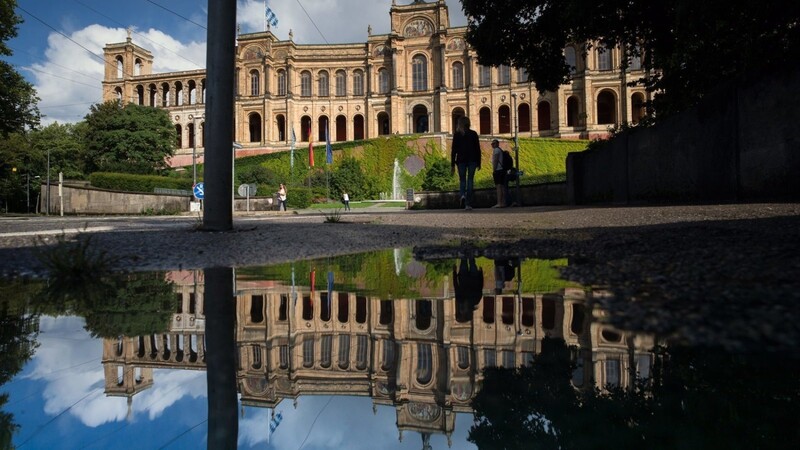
<point x="375" y="350"/>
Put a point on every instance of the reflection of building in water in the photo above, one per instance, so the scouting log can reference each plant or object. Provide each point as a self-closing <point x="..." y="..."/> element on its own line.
<point x="413" y="354"/>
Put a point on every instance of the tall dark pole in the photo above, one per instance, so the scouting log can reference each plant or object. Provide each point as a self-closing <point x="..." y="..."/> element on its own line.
<point x="220" y="310"/>
<point x="48" y="181"/>
<point x="516" y="145"/>
<point x="218" y="212"/>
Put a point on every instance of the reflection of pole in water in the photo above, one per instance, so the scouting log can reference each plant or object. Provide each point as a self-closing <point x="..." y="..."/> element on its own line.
<point x="220" y="309"/>
<point x="398" y="261"/>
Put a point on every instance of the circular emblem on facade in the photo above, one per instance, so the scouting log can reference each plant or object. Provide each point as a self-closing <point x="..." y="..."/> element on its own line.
<point x="178" y="318"/>
<point x="191" y="117"/>
<point x="308" y="324"/>
<point x="341" y="107"/>
<point x="305" y="108"/>
<point x="177" y="118"/>
<point x="522" y="96"/>
<point x="502" y="98"/>
<point x="424" y="411"/>
<point x="322" y="109"/>
<point x="256" y="385"/>
<point x="358" y="107"/>
<point x="461" y="391"/>
<point x="483" y="99"/>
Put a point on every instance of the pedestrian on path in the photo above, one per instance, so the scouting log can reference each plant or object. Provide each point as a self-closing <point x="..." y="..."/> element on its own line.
<point x="498" y="174"/>
<point x="282" y="198"/>
<point x="466" y="154"/>
<point x="346" y="201"/>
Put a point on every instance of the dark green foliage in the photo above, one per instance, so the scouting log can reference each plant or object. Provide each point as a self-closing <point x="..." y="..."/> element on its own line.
<point x="18" y="109"/>
<point x="438" y="176"/>
<point x="137" y="183"/>
<point x="263" y="177"/>
<point x="350" y="177"/>
<point x="298" y="197"/>
<point x="689" y="46"/>
<point x="67" y="152"/>
<point x="128" y="138"/>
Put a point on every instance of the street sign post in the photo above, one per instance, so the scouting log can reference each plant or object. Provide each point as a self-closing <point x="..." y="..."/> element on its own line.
<point x="198" y="189"/>
<point x="247" y="190"/>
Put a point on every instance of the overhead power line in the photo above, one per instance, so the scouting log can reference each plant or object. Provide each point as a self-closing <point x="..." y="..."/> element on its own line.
<point x="173" y="12"/>
<point x="57" y="76"/>
<point x="59" y="65"/>
<point x="312" y="22"/>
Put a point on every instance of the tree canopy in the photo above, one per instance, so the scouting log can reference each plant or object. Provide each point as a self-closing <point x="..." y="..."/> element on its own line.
<point x="687" y="46"/>
<point x="128" y="138"/>
<point x="18" y="101"/>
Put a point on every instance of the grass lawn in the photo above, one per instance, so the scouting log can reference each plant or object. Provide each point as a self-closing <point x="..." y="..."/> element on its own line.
<point x="356" y="205"/>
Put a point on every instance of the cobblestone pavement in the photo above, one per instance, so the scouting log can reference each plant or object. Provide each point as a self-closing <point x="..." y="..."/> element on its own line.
<point x="721" y="274"/>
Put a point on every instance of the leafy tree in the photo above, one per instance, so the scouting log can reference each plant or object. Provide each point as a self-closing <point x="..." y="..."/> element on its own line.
<point x="67" y="152"/>
<point x="350" y="177"/>
<point x="261" y="176"/>
<point x="128" y="138"/>
<point x="18" y="109"/>
<point x="687" y="46"/>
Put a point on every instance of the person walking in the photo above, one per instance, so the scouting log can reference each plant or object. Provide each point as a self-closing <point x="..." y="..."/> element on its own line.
<point x="346" y="201"/>
<point x="466" y="154"/>
<point x="498" y="174"/>
<point x="282" y="198"/>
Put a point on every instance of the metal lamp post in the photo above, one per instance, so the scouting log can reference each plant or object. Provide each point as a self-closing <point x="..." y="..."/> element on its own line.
<point x="235" y="146"/>
<point x="194" y="147"/>
<point x="516" y="145"/>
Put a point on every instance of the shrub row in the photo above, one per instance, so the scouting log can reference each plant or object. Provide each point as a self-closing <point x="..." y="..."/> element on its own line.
<point x="137" y="183"/>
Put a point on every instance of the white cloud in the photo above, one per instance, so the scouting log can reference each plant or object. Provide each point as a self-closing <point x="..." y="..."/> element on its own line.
<point x="339" y="21"/>
<point x="74" y="383"/>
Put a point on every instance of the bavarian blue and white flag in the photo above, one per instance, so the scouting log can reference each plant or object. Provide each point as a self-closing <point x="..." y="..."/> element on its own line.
<point x="271" y="18"/>
<point x="273" y="424"/>
<point x="328" y="148"/>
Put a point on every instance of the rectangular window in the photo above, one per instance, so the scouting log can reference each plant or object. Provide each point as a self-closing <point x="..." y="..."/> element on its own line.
<point x="341" y="84"/>
<point x="325" y="360"/>
<point x="344" y="351"/>
<point x="612" y="372"/>
<point x="308" y="351"/>
<point x="484" y="76"/>
<point x="489" y="358"/>
<point x="358" y="84"/>
<point x="361" y="352"/>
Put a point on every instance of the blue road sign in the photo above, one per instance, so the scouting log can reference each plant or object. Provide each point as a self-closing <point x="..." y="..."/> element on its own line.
<point x="198" y="190"/>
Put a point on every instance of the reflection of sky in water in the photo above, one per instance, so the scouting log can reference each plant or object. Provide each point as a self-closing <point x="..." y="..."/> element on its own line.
<point x="59" y="402"/>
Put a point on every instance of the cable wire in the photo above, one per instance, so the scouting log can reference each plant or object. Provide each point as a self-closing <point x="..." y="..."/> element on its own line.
<point x="314" y="422"/>
<point x="173" y="12"/>
<point x="312" y="22"/>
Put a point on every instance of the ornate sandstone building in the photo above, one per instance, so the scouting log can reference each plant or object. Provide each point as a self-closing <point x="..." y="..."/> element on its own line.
<point x="419" y="78"/>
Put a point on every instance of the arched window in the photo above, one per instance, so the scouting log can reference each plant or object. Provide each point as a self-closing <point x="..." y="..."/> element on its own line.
<point x="423" y="313"/>
<point x="362" y="344"/>
<point x="522" y="75"/>
<point x="178" y="93"/>
<point x="257" y="309"/>
<point x="462" y="356"/>
<point x="606" y="108"/>
<point x="190" y="131"/>
<point x="305" y="84"/>
<point x="485" y="119"/>
<point x="388" y="354"/>
<point x="358" y="127"/>
<point x="192" y="92"/>
<point x="637" y="107"/>
<point x="140" y="95"/>
<point x="343" y="308"/>
<point x="137" y="67"/>
<point x="255" y="82"/>
<point x="420" y="117"/>
<point x="503" y="75"/>
<point x="305" y="128"/>
<point x="341" y="128"/>
<point x="419" y="73"/>
<point x="458" y="75"/>
<point x="504" y="119"/>
<point x="358" y="83"/>
<point x="281" y="82"/>
<point x="543" y="110"/>
<point x="635" y="62"/>
<point x="386" y="315"/>
<point x="424" y="364"/>
<point x="308" y="308"/>
<point x="524" y="117"/>
<point x="280" y="121"/>
<point x="383" y="81"/>
<point x="323" y="85"/>
<point x="179" y="133"/>
<point x="384" y="126"/>
<point x="151" y="90"/>
<point x="603" y="58"/>
<point x="572" y="111"/>
<point x="254" y="121"/>
<point x="484" y="76"/>
<point x="165" y="95"/>
<point x="341" y="83"/>
<point x="203" y="90"/>
<point x="326" y="344"/>
<point x="236" y="80"/>
<point x="344" y="351"/>
<point x="571" y="59"/>
<point x="308" y="351"/>
<point x="120" y="66"/>
<point x="322" y="126"/>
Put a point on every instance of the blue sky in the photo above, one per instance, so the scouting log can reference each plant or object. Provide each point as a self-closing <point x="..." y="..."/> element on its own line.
<point x="67" y="77"/>
<point x="59" y="403"/>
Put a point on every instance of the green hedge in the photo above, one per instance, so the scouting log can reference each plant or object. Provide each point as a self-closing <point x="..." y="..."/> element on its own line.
<point x="137" y="183"/>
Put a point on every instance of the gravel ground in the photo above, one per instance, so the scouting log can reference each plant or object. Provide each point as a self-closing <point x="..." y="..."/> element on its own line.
<point x="721" y="274"/>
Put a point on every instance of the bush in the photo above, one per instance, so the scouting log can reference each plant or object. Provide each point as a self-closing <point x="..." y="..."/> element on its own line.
<point x="298" y="197"/>
<point x="263" y="177"/>
<point x="438" y="175"/>
<point x="137" y="183"/>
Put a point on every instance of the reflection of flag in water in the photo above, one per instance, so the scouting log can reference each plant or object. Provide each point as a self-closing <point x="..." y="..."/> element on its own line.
<point x="328" y="149"/>
<point x="273" y="424"/>
<point x="330" y="288"/>
<point x="313" y="280"/>
<point x="294" y="292"/>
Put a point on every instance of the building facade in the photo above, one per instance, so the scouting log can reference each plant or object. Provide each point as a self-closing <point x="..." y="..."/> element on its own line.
<point x="419" y="78"/>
